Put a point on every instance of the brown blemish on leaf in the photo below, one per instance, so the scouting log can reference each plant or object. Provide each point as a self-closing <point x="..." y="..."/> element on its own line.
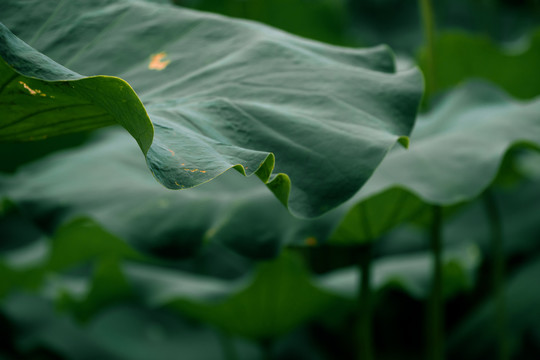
<point x="194" y="170"/>
<point x="30" y="90"/>
<point x="310" y="241"/>
<point x="158" y="62"/>
<point x="172" y="152"/>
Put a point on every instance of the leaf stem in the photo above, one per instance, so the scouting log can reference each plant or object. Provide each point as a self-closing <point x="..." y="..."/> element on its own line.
<point x="364" y="310"/>
<point x="227" y="345"/>
<point x="435" y="315"/>
<point x="498" y="263"/>
<point x="428" y="22"/>
<point x="266" y="346"/>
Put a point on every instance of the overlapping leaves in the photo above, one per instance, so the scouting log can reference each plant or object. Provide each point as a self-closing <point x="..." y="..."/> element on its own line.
<point x="218" y="94"/>
<point x="456" y="155"/>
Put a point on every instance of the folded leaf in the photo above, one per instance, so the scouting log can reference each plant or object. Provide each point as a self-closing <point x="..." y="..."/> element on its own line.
<point x="218" y="94"/>
<point x="456" y="155"/>
<point x="458" y="148"/>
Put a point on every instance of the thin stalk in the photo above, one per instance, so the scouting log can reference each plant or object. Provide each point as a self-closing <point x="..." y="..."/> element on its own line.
<point x="435" y="316"/>
<point x="428" y="22"/>
<point x="364" y="311"/>
<point x="266" y="346"/>
<point x="227" y="344"/>
<point x="498" y="263"/>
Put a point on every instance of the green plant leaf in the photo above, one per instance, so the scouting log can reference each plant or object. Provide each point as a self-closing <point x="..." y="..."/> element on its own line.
<point x="519" y="217"/>
<point x="411" y="273"/>
<point x="521" y="300"/>
<point x="458" y="148"/>
<point x="136" y="209"/>
<point x="218" y="94"/>
<point x="477" y="56"/>
<point x="456" y="155"/>
<point x="503" y="21"/>
<point x="323" y="20"/>
<point x="242" y="215"/>
<point x="125" y="332"/>
<point x="279" y="298"/>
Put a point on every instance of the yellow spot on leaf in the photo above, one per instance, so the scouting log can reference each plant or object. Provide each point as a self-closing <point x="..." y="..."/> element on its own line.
<point x="177" y="184"/>
<point x="158" y="62"/>
<point x="203" y="171"/>
<point x="310" y="241"/>
<point x="211" y="232"/>
<point x="172" y="152"/>
<point x="182" y="164"/>
<point x="30" y="90"/>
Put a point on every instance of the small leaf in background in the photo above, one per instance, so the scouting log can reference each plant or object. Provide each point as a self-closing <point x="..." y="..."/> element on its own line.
<point x="456" y="150"/>
<point x="475" y="336"/>
<point x="461" y="56"/>
<point x="410" y="273"/>
<point x="124" y="332"/>
<point x="279" y="298"/>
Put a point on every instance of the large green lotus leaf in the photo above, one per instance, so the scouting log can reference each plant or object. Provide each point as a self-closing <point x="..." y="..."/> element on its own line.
<point x="476" y="337"/>
<point x="456" y="156"/>
<point x="219" y="93"/>
<point x="241" y="215"/>
<point x="461" y="56"/>
<point x="134" y="208"/>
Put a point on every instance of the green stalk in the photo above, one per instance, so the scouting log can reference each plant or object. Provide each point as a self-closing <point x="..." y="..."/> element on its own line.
<point x="428" y="22"/>
<point x="498" y="263"/>
<point x="435" y="316"/>
<point x="227" y="344"/>
<point x="364" y="311"/>
<point x="266" y="346"/>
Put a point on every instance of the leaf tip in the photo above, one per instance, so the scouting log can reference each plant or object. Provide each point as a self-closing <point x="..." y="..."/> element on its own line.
<point x="404" y="141"/>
